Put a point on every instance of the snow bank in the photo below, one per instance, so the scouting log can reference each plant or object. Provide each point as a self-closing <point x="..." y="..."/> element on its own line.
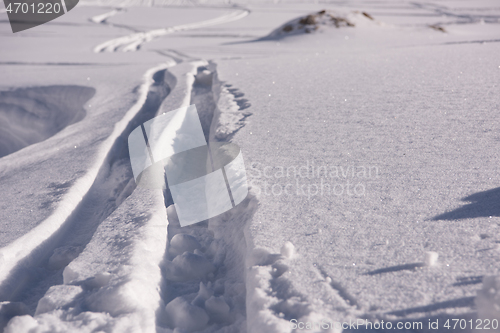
<point x="230" y="115"/>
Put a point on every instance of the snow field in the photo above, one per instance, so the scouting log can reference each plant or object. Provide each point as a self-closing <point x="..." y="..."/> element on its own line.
<point x="124" y="273"/>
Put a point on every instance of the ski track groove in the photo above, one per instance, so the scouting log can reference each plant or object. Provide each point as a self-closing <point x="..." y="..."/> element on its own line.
<point x="27" y="270"/>
<point x="337" y="287"/>
<point x="222" y="238"/>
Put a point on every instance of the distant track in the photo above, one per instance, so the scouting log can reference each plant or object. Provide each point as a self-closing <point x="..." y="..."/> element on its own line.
<point x="134" y="41"/>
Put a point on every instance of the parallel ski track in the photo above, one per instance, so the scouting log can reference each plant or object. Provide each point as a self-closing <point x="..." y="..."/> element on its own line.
<point x="26" y="272"/>
<point x="134" y="41"/>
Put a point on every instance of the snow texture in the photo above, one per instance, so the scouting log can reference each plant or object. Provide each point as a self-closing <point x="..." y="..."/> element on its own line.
<point x="370" y="140"/>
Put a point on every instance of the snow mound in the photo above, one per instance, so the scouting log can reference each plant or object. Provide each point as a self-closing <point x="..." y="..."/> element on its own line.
<point x="186" y="316"/>
<point x="181" y="243"/>
<point x="57" y="297"/>
<point x="324" y="18"/>
<point x="431" y="258"/>
<point x="488" y="299"/>
<point x="288" y="250"/>
<point x="189" y="266"/>
<point x="31" y="115"/>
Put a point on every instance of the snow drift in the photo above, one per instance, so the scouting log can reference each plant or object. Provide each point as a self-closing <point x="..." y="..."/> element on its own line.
<point x="31" y="115"/>
<point x="322" y="19"/>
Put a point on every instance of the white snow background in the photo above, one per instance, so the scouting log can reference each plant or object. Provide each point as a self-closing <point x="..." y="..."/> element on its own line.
<point x="371" y="137"/>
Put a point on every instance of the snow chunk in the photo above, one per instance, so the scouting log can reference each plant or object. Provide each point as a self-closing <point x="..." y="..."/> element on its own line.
<point x="217" y="308"/>
<point x="181" y="243"/>
<point x="203" y="294"/>
<point x="288" y="250"/>
<point x="186" y="316"/>
<point x="69" y="275"/>
<point x="57" y="297"/>
<point x="21" y="324"/>
<point x="189" y="266"/>
<point x="204" y="77"/>
<point x="115" y="300"/>
<point x="431" y="258"/>
<point x="98" y="281"/>
<point x="488" y="299"/>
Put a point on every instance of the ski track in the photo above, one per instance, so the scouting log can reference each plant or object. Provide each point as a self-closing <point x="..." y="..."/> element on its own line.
<point x="52" y="265"/>
<point x="134" y="41"/>
<point x="32" y="263"/>
<point x="203" y="269"/>
<point x="336" y="286"/>
<point x="102" y="18"/>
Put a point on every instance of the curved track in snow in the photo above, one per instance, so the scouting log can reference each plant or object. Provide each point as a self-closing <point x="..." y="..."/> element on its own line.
<point x="134" y="41"/>
<point x="64" y="262"/>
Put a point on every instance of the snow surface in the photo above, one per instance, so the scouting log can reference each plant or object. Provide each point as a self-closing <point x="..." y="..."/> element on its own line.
<point x="370" y="137"/>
